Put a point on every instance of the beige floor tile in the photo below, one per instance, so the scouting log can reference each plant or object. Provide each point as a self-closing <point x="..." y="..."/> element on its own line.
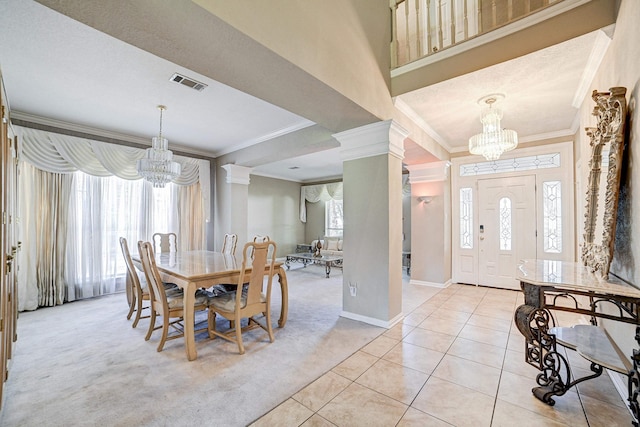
<point x="484" y="335"/>
<point x="491" y="310"/>
<point x="426" y="308"/>
<point x="414" y="318"/>
<point x="601" y="388"/>
<point x="477" y="352"/>
<point x="289" y="413"/>
<point x="380" y="346"/>
<point x="467" y="305"/>
<point x="317" y="421"/>
<point x="318" y="393"/>
<point x="516" y="341"/>
<point x="430" y="339"/>
<point x="416" y="418"/>
<point x="471" y="290"/>
<point x="456" y="316"/>
<point x="505" y="413"/>
<point x="517" y="391"/>
<point x="355" y="365"/>
<point x="399" y="331"/>
<point x="360" y="406"/>
<point x="468" y="374"/>
<point x="601" y="414"/>
<point x="514" y="362"/>
<point x="393" y="380"/>
<point x="445" y="326"/>
<point x="501" y="325"/>
<point x="415" y="357"/>
<point x="455" y="404"/>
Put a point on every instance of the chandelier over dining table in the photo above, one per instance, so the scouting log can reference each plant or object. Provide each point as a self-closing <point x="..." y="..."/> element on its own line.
<point x="158" y="166"/>
<point x="494" y="140"/>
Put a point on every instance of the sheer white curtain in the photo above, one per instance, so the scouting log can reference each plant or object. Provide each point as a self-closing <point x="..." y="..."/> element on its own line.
<point x="316" y="193"/>
<point x="75" y="206"/>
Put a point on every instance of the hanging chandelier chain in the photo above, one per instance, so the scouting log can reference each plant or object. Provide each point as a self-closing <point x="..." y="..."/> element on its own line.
<point x="161" y="108"/>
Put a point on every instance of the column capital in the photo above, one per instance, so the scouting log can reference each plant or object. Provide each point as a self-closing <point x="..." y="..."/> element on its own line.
<point x="429" y="172"/>
<point x="385" y="137"/>
<point x="237" y="174"/>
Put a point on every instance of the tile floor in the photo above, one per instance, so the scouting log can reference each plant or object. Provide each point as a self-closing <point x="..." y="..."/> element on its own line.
<point x="455" y="360"/>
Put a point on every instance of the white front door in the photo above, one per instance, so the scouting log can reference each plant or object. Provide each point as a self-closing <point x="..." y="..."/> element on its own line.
<point x="507" y="228"/>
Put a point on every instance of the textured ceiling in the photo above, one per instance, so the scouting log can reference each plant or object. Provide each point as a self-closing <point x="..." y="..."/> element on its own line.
<point x="60" y="69"/>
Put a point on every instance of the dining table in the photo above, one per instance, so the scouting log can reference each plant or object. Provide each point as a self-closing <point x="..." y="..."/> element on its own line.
<point x="192" y="270"/>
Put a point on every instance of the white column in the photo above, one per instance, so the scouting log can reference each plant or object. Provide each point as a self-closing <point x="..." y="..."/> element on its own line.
<point x="372" y="179"/>
<point x="233" y="204"/>
<point x="430" y="224"/>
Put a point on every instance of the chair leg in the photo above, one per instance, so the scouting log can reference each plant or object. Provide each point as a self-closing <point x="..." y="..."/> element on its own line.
<point x="211" y="320"/>
<point x="132" y="307"/>
<point x="152" y="324"/>
<point x="239" y="335"/>
<point x="269" y="328"/>
<point x="138" y="312"/>
<point x="165" y="331"/>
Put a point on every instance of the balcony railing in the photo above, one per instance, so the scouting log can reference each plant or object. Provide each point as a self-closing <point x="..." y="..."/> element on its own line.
<point x="424" y="27"/>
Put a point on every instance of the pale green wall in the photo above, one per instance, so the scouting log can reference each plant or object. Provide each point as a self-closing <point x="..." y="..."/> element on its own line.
<point x="314" y="227"/>
<point x="373" y="236"/>
<point x="273" y="211"/>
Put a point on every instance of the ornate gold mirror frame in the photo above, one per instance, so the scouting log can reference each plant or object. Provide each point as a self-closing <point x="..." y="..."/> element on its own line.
<point x="607" y="144"/>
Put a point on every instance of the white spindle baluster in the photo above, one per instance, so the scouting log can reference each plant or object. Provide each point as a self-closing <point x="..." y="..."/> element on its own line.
<point x="452" y="15"/>
<point x="480" y="29"/>
<point x="429" y="42"/>
<point x="407" y="32"/>
<point x="440" y="37"/>
<point x="394" y="33"/>
<point x="465" y="19"/>
<point x="418" y="30"/>
<point x="494" y="14"/>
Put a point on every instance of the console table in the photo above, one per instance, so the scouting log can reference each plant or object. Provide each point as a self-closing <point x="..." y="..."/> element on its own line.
<point x="567" y="286"/>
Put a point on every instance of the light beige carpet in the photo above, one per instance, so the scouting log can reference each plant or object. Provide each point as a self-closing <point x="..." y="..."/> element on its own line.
<point x="82" y="364"/>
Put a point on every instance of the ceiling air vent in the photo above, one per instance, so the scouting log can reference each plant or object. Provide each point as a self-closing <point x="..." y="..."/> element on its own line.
<point x="179" y="78"/>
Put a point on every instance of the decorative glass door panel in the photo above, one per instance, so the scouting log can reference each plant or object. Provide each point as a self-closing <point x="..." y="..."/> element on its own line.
<point x="506" y="228"/>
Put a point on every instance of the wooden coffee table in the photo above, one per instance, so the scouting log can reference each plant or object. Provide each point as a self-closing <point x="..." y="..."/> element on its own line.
<point x="308" y="258"/>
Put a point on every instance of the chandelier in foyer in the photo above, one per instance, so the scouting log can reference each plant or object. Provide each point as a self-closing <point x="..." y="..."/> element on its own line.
<point x="493" y="141"/>
<point x="158" y="166"/>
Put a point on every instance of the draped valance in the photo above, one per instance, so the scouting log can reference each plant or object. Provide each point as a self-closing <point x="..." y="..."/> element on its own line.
<point x="58" y="153"/>
<point x="316" y="193"/>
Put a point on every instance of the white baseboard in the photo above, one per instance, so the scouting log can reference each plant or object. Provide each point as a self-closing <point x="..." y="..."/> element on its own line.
<point x="373" y="321"/>
<point x="432" y="284"/>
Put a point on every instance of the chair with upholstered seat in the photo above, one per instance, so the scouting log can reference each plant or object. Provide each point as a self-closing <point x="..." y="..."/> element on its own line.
<point x="229" y="244"/>
<point x="168" y="305"/>
<point x="247" y="301"/>
<point x="165" y="242"/>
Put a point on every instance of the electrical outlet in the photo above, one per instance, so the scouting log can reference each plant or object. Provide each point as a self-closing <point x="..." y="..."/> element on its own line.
<point x="353" y="289"/>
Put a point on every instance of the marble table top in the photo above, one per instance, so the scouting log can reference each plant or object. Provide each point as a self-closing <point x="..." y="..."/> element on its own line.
<point x="573" y="276"/>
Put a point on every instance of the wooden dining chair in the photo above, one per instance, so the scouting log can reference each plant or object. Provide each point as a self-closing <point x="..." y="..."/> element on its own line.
<point x="165" y="242"/>
<point x="249" y="300"/>
<point x="168" y="305"/>
<point x="229" y="244"/>
<point x="137" y="293"/>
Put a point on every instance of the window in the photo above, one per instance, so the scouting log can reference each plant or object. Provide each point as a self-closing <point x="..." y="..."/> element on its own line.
<point x="466" y="218"/>
<point x="541" y="161"/>
<point x="102" y="209"/>
<point x="334" y="218"/>
<point x="552" y="206"/>
<point x="505" y="224"/>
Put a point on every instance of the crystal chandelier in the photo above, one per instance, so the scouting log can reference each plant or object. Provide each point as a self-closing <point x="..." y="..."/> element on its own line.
<point x="158" y="166"/>
<point x="493" y="141"/>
